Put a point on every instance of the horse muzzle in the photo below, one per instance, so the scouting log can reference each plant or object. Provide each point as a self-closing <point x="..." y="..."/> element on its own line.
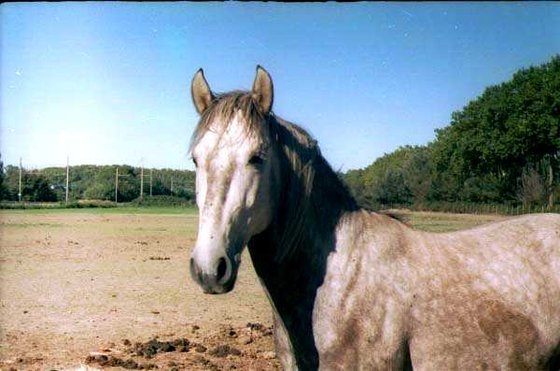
<point x="217" y="277"/>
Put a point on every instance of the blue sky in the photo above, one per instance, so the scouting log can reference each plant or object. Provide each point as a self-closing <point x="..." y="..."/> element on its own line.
<point x="108" y="83"/>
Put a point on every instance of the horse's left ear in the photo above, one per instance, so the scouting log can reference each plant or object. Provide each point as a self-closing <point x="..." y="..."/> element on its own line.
<point x="263" y="91"/>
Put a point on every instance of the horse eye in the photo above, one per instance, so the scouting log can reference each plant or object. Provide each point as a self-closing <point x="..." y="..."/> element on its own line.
<point x="194" y="162"/>
<point x="256" y="160"/>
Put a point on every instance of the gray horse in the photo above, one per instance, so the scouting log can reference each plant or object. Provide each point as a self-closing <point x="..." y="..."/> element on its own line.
<point x="353" y="289"/>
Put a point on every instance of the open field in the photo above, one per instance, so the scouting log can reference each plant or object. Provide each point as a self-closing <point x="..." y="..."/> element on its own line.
<point x="78" y="281"/>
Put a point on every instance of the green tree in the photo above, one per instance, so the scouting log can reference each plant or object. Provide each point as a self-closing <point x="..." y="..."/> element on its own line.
<point x="417" y="172"/>
<point x="36" y="188"/>
<point x="391" y="188"/>
<point x="11" y="182"/>
<point x="398" y="177"/>
<point x="102" y="186"/>
<point x="354" y="180"/>
<point x="3" y="186"/>
<point x="501" y="147"/>
<point x="509" y="127"/>
<point x="98" y="182"/>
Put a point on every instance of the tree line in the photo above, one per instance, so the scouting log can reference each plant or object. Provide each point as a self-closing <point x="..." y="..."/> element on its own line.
<point x="91" y="182"/>
<point x="502" y="147"/>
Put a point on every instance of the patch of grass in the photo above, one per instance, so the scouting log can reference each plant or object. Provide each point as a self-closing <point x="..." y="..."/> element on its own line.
<point x="169" y="210"/>
<point x="443" y="222"/>
<point x="165" y="210"/>
<point x="425" y="221"/>
<point x="80" y="204"/>
<point x="162" y="201"/>
<point x="31" y="225"/>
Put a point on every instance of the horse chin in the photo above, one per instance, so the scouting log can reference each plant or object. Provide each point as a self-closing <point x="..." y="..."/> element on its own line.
<point x="219" y="290"/>
<point x="222" y="288"/>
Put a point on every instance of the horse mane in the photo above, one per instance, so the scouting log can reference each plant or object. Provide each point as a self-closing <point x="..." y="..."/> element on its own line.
<point x="312" y="195"/>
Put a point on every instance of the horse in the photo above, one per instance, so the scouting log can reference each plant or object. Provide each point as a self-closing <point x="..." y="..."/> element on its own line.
<point x="352" y="288"/>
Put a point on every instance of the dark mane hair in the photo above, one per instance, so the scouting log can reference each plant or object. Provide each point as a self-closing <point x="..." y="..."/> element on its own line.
<point x="312" y="195"/>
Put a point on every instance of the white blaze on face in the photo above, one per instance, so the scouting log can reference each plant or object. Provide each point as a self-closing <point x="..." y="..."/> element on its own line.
<point x="232" y="194"/>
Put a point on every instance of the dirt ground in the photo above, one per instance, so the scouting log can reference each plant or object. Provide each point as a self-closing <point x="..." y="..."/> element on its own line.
<point x="82" y="289"/>
<point x="101" y="290"/>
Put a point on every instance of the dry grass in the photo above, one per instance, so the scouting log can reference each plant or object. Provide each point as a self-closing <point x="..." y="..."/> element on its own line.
<point x="70" y="282"/>
<point x="77" y="281"/>
<point x="443" y="222"/>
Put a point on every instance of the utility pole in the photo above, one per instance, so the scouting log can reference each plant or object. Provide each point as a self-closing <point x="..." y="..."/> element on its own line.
<point x="171" y="186"/>
<point x="142" y="182"/>
<point x="151" y="173"/>
<point x="550" y="185"/>
<point x="67" y="176"/>
<point x="20" y="171"/>
<point x="117" y="186"/>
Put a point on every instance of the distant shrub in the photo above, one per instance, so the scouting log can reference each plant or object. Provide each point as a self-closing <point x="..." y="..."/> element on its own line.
<point x="161" y="200"/>
<point x="81" y="204"/>
<point x="12" y="205"/>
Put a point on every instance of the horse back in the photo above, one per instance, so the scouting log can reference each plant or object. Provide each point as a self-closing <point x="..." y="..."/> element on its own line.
<point x="488" y="297"/>
<point x="482" y="298"/>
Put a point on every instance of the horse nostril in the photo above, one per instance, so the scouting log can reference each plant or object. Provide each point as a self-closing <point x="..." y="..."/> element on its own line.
<point x="222" y="268"/>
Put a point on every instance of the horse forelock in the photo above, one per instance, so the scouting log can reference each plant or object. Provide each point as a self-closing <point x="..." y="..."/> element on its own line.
<point x="223" y="110"/>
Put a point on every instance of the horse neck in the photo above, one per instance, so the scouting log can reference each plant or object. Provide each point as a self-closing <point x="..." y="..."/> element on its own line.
<point x="302" y="233"/>
<point x="290" y="258"/>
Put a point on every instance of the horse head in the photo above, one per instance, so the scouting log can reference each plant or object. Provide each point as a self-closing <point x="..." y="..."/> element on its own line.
<point x="234" y="155"/>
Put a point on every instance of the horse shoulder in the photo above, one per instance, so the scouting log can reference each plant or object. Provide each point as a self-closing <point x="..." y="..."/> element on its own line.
<point x="361" y="308"/>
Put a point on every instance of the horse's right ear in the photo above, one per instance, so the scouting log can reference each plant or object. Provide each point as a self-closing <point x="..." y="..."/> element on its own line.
<point x="201" y="94"/>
